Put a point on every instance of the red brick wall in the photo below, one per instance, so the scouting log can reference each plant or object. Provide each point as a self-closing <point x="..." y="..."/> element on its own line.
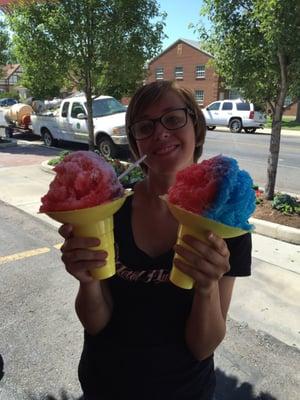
<point x="183" y="55"/>
<point x="291" y="110"/>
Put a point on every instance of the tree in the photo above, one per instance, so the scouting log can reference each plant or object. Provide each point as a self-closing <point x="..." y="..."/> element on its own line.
<point x="4" y="45"/>
<point x="83" y="42"/>
<point x="298" y="111"/>
<point x="256" y="44"/>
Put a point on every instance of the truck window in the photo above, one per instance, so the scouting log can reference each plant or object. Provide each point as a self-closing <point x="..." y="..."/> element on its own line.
<point x="109" y="106"/>
<point x="77" y="109"/>
<point x="65" y="109"/>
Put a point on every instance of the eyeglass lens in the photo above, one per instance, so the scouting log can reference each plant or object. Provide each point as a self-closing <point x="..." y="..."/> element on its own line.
<point x="171" y="120"/>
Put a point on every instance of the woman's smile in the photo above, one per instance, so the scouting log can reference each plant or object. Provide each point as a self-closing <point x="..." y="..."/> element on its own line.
<point x="165" y="149"/>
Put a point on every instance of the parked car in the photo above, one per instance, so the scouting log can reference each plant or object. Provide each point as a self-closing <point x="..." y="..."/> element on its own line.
<point x="7" y="102"/>
<point x="69" y="123"/>
<point x="234" y="114"/>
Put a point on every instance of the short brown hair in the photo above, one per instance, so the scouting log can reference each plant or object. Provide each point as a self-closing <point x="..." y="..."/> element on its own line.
<point x="152" y="92"/>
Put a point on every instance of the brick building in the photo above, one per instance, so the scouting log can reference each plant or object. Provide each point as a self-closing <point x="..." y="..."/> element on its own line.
<point x="10" y="79"/>
<point x="184" y="62"/>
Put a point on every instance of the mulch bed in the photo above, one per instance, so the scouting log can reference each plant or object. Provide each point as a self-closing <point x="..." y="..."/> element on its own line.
<point x="265" y="211"/>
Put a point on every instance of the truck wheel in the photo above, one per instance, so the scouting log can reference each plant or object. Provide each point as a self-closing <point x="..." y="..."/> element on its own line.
<point x="8" y="132"/>
<point x="235" y="125"/>
<point x="106" y="147"/>
<point x="48" y="138"/>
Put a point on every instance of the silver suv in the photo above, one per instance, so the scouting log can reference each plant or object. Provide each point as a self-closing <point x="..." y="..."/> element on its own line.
<point x="235" y="114"/>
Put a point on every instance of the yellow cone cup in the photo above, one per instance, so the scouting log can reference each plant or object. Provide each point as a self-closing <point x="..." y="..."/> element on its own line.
<point x="95" y="222"/>
<point x="197" y="226"/>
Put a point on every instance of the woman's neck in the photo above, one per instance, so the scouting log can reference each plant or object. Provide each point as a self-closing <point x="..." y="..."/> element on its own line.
<point x="158" y="185"/>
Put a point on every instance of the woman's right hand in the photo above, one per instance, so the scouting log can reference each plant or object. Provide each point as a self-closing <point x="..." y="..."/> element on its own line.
<point x="77" y="256"/>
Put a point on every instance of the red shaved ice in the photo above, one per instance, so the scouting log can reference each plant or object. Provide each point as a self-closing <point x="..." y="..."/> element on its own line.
<point x="83" y="179"/>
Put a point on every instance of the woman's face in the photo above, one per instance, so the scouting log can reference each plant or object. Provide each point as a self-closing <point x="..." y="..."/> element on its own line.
<point x="168" y="151"/>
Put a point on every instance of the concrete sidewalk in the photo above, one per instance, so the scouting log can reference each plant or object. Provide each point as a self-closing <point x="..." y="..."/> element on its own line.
<point x="268" y="301"/>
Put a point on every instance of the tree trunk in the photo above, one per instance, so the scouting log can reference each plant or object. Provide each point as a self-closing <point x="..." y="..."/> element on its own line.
<point x="89" y="106"/>
<point x="276" y="130"/>
<point x="298" y="112"/>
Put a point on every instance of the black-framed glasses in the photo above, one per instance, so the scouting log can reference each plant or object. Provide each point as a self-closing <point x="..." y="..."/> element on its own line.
<point x="171" y="120"/>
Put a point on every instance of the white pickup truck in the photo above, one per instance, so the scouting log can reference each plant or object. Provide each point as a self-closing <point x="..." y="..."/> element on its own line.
<point x="69" y="123"/>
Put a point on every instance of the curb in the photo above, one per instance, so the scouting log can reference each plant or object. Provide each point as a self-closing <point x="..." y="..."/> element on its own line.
<point x="46" y="167"/>
<point x="261" y="227"/>
<point x="276" y="231"/>
<point x="264" y="131"/>
<point x="8" y="144"/>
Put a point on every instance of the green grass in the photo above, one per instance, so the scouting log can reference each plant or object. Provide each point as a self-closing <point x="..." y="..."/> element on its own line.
<point x="287" y="123"/>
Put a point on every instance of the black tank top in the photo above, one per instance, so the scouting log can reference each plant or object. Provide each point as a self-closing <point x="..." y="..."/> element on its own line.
<point x="141" y="354"/>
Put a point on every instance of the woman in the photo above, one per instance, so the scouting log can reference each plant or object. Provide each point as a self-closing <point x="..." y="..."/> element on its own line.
<point x="144" y="337"/>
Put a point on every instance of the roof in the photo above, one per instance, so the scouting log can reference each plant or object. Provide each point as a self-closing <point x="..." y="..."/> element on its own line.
<point x="192" y="43"/>
<point x="9" y="69"/>
<point x="82" y="99"/>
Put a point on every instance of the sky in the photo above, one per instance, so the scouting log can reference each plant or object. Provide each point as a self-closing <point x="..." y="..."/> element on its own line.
<point x="180" y="14"/>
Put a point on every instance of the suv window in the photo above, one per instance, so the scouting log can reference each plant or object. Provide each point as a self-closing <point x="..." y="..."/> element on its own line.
<point x="243" y="106"/>
<point x="227" y="105"/>
<point x="214" y="106"/>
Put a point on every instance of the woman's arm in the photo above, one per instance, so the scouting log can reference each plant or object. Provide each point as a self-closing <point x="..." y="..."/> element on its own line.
<point x="206" y="324"/>
<point x="93" y="306"/>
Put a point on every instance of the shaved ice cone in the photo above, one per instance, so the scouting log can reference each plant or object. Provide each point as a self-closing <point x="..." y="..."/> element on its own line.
<point x="214" y="195"/>
<point x="86" y="193"/>
<point x="95" y="222"/>
<point x="196" y="226"/>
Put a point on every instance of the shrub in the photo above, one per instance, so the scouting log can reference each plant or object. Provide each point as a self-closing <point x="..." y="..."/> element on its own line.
<point x="57" y="160"/>
<point x="286" y="204"/>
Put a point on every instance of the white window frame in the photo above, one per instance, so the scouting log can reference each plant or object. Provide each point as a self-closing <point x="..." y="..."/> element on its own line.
<point x="159" y="73"/>
<point x="199" y="96"/>
<point x="200" y="71"/>
<point x="178" y="72"/>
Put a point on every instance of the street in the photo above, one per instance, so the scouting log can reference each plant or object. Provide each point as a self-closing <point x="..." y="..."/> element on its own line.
<point x="41" y="337"/>
<point x="250" y="150"/>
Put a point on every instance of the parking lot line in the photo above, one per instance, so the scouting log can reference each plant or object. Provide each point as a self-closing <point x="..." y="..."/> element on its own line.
<point x="23" y="254"/>
<point x="58" y="246"/>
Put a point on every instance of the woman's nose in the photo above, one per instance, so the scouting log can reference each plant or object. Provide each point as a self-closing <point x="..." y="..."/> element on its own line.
<point x="160" y="131"/>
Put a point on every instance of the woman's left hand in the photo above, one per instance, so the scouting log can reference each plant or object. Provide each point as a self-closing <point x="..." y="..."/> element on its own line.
<point x="206" y="263"/>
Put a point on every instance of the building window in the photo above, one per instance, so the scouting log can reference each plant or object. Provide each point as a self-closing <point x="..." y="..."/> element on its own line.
<point x="199" y="96"/>
<point x="178" y="72"/>
<point x="233" y="95"/>
<point x="159" y="73"/>
<point x="12" y="79"/>
<point x="288" y="101"/>
<point x="200" y="71"/>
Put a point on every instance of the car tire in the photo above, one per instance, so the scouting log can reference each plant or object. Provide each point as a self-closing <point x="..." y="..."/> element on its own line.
<point x="235" y="125"/>
<point x="211" y="127"/>
<point x="106" y="147"/>
<point x="48" y="138"/>
<point x="250" y="130"/>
